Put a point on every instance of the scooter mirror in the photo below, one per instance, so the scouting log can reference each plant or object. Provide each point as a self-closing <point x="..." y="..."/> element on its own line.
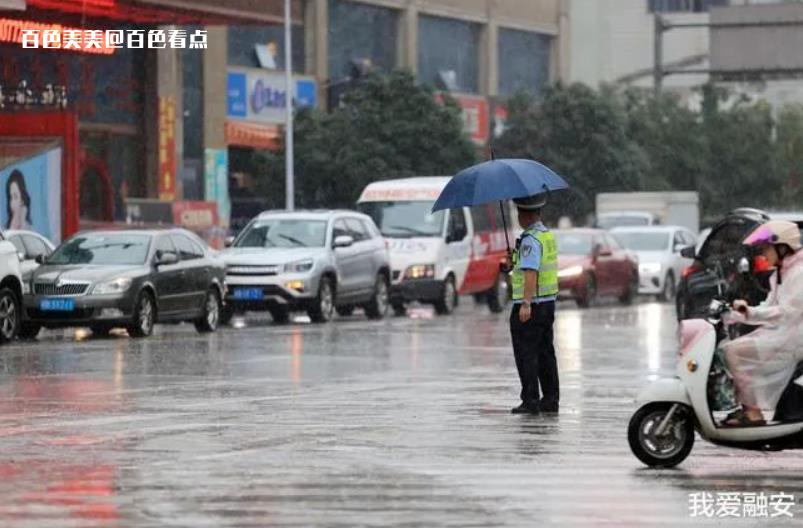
<point x="744" y="265"/>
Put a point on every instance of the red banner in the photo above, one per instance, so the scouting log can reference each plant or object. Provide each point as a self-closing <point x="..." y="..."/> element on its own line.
<point x="167" y="149"/>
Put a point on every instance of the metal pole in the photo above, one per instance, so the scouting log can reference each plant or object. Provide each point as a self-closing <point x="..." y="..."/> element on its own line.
<point x="658" y="55"/>
<point x="289" y="92"/>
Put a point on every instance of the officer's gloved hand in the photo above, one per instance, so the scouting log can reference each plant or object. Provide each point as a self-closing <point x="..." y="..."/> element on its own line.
<point x="507" y="265"/>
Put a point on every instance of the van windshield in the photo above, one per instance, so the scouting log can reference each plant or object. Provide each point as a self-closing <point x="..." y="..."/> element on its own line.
<point x="404" y="219"/>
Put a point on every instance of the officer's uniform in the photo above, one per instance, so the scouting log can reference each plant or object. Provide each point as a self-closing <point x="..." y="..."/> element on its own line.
<point x="532" y="341"/>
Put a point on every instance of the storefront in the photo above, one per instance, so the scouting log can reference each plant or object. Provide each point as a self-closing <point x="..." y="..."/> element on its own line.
<point x="255" y="117"/>
<point x="101" y="111"/>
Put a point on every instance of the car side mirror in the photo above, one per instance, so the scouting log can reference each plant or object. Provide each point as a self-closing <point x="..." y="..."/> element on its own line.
<point x="687" y="252"/>
<point x="40" y="259"/>
<point x="343" y="241"/>
<point x="678" y="248"/>
<point x="166" y="259"/>
<point x="21" y="256"/>
<point x="229" y="241"/>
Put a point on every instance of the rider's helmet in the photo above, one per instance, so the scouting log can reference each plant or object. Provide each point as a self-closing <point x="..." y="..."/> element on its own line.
<point x="775" y="232"/>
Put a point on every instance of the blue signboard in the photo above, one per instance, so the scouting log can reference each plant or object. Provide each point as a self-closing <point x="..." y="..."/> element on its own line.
<point x="256" y="95"/>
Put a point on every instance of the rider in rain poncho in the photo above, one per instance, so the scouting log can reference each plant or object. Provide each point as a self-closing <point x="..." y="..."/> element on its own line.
<point x="762" y="363"/>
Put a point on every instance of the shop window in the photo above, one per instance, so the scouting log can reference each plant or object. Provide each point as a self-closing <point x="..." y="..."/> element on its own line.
<point x="360" y="32"/>
<point x="448" y="53"/>
<point x="523" y="61"/>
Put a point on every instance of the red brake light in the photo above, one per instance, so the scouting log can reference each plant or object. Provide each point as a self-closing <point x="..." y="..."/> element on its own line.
<point x="688" y="270"/>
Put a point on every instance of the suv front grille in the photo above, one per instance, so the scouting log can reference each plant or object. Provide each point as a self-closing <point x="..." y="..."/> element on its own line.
<point x="252" y="270"/>
<point x="70" y="288"/>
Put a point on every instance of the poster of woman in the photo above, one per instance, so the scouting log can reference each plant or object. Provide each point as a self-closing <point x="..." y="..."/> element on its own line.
<point x="32" y="197"/>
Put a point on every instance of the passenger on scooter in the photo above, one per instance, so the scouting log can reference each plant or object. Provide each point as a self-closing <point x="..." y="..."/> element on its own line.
<point x="762" y="363"/>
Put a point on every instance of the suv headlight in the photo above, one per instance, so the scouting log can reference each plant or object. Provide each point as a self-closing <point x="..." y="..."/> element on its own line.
<point x="571" y="271"/>
<point x="650" y="267"/>
<point x="112" y="286"/>
<point x="301" y="266"/>
<point x="420" y="271"/>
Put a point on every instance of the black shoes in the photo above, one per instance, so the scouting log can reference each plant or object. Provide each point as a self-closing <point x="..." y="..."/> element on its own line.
<point x="548" y="407"/>
<point x="525" y="408"/>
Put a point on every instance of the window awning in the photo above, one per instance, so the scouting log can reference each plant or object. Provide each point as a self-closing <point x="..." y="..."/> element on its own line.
<point x="262" y="137"/>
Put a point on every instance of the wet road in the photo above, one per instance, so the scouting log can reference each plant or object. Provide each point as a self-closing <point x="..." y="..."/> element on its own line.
<point x="403" y="422"/>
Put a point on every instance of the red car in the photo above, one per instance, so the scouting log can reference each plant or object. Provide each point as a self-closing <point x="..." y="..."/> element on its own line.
<point x="592" y="264"/>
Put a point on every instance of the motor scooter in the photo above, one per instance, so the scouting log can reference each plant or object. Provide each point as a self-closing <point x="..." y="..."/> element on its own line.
<point x="661" y="431"/>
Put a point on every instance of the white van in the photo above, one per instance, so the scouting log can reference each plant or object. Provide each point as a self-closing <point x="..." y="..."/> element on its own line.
<point x="435" y="257"/>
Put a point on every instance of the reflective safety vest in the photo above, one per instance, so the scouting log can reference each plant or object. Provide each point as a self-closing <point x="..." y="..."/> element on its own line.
<point x="547" y="272"/>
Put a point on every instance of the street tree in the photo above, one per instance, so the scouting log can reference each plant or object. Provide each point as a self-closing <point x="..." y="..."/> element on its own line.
<point x="388" y="126"/>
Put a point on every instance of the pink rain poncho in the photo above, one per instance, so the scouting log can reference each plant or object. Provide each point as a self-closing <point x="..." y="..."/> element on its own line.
<point x="762" y="363"/>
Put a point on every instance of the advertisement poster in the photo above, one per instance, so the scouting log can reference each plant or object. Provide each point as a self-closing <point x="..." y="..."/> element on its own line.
<point x="31" y="197"/>
<point x="216" y="188"/>
<point x="167" y="149"/>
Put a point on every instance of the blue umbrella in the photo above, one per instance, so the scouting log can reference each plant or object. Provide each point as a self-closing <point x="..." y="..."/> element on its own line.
<point x="498" y="180"/>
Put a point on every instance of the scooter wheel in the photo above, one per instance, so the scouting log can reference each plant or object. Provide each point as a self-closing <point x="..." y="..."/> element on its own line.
<point x="665" y="450"/>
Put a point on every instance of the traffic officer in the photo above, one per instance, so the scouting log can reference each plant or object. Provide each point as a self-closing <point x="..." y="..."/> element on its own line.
<point x="534" y="281"/>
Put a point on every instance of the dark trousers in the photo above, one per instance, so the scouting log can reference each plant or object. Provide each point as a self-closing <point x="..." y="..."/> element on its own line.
<point x="535" y="354"/>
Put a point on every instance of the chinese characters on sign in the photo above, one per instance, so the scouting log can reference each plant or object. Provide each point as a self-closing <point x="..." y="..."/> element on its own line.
<point x="106" y="41"/>
<point x="744" y="504"/>
<point x="167" y="149"/>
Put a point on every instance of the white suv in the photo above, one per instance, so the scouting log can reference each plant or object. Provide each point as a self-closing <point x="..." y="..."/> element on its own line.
<point x="10" y="291"/>
<point x="317" y="261"/>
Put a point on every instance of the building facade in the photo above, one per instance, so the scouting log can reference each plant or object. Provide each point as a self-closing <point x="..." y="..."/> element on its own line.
<point x="155" y="127"/>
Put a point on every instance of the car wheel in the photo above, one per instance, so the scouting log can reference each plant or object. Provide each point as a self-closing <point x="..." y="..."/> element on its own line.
<point x="399" y="309"/>
<point x="100" y="330"/>
<point x="280" y="315"/>
<point x="378" y="307"/>
<point x="668" y="293"/>
<point x="9" y="315"/>
<point x="144" y="316"/>
<point x="446" y="304"/>
<point x="324" y="304"/>
<point x="29" y="331"/>
<point x="632" y="290"/>
<point x="345" y="311"/>
<point x="591" y="293"/>
<point x="499" y="295"/>
<point x="210" y="318"/>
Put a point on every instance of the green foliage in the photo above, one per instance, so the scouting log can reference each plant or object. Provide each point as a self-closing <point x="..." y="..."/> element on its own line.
<point x="734" y="156"/>
<point x="387" y="127"/>
<point x="581" y="134"/>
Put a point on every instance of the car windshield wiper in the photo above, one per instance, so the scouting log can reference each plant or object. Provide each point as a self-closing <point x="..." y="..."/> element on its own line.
<point x="293" y="240"/>
<point x="411" y="230"/>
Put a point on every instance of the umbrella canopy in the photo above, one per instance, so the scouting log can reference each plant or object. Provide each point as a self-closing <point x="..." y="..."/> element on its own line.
<point x="495" y="180"/>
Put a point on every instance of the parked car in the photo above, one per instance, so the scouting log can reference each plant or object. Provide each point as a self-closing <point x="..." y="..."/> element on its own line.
<point x="11" y="291"/>
<point x="128" y="278"/>
<point x="658" y="249"/>
<point x="317" y="261"/>
<point x="713" y="271"/>
<point x="591" y="264"/>
<point x="30" y="245"/>
<point x="436" y="257"/>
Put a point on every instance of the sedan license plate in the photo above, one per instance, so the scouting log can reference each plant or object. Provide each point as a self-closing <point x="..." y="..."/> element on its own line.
<point x="248" y="294"/>
<point x="57" y="305"/>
